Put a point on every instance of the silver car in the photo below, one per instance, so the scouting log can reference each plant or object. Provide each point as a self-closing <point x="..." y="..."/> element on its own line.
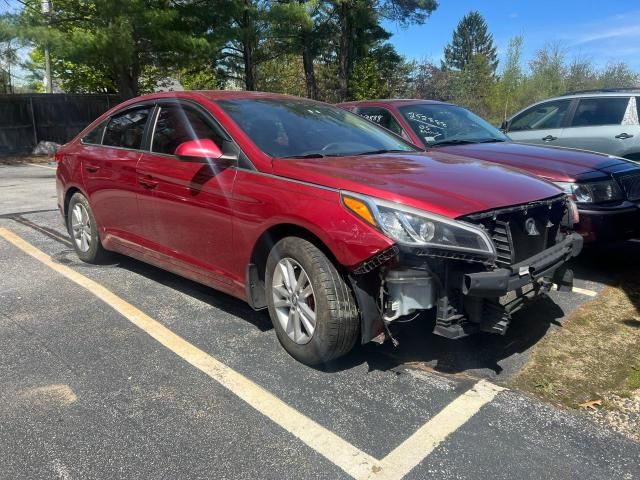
<point x="601" y="120"/>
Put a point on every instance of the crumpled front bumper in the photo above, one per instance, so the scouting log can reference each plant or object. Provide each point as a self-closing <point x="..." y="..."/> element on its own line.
<point x="498" y="283"/>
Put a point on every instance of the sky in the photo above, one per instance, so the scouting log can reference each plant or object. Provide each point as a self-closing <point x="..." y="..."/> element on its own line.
<point x="601" y="31"/>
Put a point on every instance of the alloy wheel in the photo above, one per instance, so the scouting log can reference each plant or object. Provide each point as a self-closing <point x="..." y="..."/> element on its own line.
<point x="294" y="300"/>
<point x="81" y="227"/>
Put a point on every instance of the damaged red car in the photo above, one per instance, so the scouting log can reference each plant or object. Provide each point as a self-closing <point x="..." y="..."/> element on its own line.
<point x="330" y="222"/>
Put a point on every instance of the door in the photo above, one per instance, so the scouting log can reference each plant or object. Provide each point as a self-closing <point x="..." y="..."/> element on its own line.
<point x="603" y="124"/>
<point x="109" y="172"/>
<point x="185" y="205"/>
<point x="541" y="124"/>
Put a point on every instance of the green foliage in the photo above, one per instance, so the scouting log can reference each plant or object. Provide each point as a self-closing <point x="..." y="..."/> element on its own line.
<point x="284" y="75"/>
<point x="332" y="50"/>
<point x="498" y="97"/>
<point x="129" y="45"/>
<point x="381" y="74"/>
<point x="507" y="92"/>
<point x="432" y="82"/>
<point x="618" y="75"/>
<point x="471" y="39"/>
<point x="473" y="86"/>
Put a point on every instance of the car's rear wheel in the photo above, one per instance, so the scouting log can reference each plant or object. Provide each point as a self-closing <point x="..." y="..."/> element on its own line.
<point x="311" y="306"/>
<point x="83" y="230"/>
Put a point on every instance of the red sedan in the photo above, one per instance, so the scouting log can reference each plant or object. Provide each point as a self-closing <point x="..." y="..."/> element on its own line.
<point x="334" y="224"/>
<point x="606" y="188"/>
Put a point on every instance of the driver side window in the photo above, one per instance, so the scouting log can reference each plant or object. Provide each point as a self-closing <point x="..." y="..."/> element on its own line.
<point x="382" y="117"/>
<point x="179" y="123"/>
<point x="541" y="117"/>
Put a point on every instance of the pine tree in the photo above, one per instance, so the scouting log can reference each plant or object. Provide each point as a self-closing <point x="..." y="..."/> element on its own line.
<point x="470" y="38"/>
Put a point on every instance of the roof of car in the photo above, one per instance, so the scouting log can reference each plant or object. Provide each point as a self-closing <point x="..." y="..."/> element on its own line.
<point x="605" y="92"/>
<point x="623" y="92"/>
<point x="218" y="95"/>
<point x="391" y="101"/>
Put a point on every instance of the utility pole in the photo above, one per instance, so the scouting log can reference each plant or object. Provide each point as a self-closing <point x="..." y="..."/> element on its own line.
<point x="48" y="81"/>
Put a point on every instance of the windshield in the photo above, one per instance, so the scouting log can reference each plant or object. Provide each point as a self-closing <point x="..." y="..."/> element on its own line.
<point x="446" y="124"/>
<point x="298" y="128"/>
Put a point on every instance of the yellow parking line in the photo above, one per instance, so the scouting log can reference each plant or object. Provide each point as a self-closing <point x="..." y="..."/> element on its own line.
<point x="581" y="291"/>
<point x="415" y="448"/>
<point x="352" y="460"/>
<point x="43" y="166"/>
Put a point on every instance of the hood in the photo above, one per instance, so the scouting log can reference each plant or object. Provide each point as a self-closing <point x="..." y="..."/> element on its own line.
<point x="553" y="163"/>
<point x="438" y="182"/>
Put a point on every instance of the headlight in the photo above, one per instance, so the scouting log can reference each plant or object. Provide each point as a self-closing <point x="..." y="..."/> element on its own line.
<point x="410" y="226"/>
<point x="594" y="192"/>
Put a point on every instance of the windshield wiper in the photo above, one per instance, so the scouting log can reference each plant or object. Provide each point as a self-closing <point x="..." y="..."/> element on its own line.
<point x="459" y="141"/>
<point x="377" y="152"/>
<point x="452" y="142"/>
<point x="307" y="155"/>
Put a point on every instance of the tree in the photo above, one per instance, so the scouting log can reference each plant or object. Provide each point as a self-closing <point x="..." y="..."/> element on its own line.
<point x="618" y="75"/>
<point x="580" y="75"/>
<point x="132" y="43"/>
<point x="304" y="28"/>
<point x="548" y="73"/>
<point x="9" y="45"/>
<point x="511" y="80"/>
<point x="431" y="82"/>
<point x="359" y="26"/>
<point x="471" y="38"/>
<point x="473" y="86"/>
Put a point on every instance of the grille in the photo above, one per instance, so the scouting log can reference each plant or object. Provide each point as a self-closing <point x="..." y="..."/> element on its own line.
<point x="516" y="241"/>
<point x="501" y="236"/>
<point x="630" y="183"/>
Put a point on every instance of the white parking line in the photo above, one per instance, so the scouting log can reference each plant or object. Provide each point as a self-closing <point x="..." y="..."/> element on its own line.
<point x="349" y="458"/>
<point x="43" y="166"/>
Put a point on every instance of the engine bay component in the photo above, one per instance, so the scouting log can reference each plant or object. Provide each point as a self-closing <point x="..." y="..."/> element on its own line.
<point x="407" y="291"/>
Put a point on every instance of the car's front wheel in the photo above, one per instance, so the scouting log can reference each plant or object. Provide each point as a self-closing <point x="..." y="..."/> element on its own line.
<point x="83" y="230"/>
<point x="310" y="304"/>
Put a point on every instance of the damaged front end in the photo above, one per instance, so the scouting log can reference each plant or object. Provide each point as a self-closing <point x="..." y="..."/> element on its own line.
<point x="471" y="288"/>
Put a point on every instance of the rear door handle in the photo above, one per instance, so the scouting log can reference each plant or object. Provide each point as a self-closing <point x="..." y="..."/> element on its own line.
<point x="549" y="138"/>
<point x="91" y="168"/>
<point x="148" y="182"/>
<point x="624" y="136"/>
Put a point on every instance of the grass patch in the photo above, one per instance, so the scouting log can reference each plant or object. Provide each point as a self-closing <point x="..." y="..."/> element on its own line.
<point x="596" y="352"/>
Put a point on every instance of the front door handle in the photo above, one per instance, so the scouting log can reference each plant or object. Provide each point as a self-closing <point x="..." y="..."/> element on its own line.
<point x="91" y="168"/>
<point x="549" y="138"/>
<point x="624" y="136"/>
<point x="148" y="182"/>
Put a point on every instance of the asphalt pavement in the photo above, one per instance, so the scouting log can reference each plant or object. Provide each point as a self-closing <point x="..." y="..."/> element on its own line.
<point x="126" y="371"/>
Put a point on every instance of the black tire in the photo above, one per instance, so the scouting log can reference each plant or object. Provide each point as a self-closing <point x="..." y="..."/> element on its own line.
<point x="337" y="318"/>
<point x="95" y="253"/>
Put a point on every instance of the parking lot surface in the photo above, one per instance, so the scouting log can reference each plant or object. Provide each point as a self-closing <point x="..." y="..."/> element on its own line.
<point x="126" y="371"/>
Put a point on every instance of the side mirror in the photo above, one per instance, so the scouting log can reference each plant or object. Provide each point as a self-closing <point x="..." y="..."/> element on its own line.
<point x="505" y="126"/>
<point x="199" y="150"/>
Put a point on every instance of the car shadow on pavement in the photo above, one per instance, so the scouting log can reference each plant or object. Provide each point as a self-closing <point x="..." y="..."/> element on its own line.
<point x="203" y="293"/>
<point x="481" y="355"/>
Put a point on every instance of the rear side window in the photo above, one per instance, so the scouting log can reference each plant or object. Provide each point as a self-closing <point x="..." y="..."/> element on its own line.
<point x="177" y="124"/>
<point x="543" y="116"/>
<point x="126" y="129"/>
<point x="381" y="116"/>
<point x="94" y="137"/>
<point x="593" y="112"/>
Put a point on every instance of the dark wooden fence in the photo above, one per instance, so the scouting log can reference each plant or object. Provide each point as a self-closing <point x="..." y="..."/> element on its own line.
<point x="27" y="119"/>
